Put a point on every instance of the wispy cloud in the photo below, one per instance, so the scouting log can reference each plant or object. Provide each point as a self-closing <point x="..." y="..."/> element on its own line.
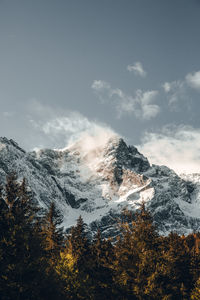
<point x="193" y="80"/>
<point x="175" y="146"/>
<point x="57" y="128"/>
<point x="148" y="109"/>
<point x="175" y="91"/>
<point x="167" y="86"/>
<point x="137" y="68"/>
<point x="141" y="104"/>
<point x="178" y="90"/>
<point x="100" y="85"/>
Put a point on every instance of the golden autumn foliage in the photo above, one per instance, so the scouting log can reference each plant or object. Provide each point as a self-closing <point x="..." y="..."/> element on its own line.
<point x="39" y="261"/>
<point x="195" y="295"/>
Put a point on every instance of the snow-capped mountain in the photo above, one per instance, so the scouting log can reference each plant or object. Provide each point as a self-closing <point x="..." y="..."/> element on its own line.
<point x="97" y="181"/>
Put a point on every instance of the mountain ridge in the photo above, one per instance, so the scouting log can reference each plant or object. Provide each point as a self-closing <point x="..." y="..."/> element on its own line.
<point x="99" y="181"/>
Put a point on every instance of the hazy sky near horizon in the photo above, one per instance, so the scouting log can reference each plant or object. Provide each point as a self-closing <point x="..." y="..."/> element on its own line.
<point x="132" y="66"/>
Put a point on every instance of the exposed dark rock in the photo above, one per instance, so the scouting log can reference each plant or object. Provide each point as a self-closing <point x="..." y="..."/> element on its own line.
<point x="118" y="177"/>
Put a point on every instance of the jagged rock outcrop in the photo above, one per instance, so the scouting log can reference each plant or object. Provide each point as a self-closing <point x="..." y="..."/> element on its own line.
<point x="99" y="182"/>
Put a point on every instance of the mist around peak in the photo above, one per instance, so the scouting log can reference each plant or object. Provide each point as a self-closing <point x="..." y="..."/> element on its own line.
<point x="92" y="140"/>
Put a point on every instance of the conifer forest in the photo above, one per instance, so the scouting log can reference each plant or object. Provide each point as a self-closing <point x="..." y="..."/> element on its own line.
<point x="39" y="260"/>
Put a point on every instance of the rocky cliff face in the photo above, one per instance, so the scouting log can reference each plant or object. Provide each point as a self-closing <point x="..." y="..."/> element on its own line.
<point x="99" y="182"/>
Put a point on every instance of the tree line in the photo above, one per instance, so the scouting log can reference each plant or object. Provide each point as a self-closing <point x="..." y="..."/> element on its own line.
<point x="38" y="260"/>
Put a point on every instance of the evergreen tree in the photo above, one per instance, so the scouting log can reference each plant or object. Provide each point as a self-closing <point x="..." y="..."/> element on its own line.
<point x="19" y="245"/>
<point x="75" y="264"/>
<point x="80" y="243"/>
<point x="195" y="295"/>
<point x="145" y="240"/>
<point x="52" y="233"/>
<point x="125" y="263"/>
<point x="24" y="264"/>
<point x="102" y="256"/>
<point x="177" y="266"/>
<point x="140" y="268"/>
<point x="37" y="263"/>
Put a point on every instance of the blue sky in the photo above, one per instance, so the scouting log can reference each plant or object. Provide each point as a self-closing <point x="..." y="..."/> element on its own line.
<point x="130" y="66"/>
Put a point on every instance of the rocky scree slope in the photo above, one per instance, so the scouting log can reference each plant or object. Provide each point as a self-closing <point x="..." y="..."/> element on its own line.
<point x="99" y="182"/>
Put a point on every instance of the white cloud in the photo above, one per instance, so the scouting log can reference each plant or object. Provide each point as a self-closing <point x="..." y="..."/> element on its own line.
<point x="90" y="143"/>
<point x="137" y="68"/>
<point x="124" y="103"/>
<point x="72" y="127"/>
<point x="57" y="128"/>
<point x="176" y="91"/>
<point x="141" y="105"/>
<point x="193" y="80"/>
<point x="148" y="109"/>
<point x="167" y="86"/>
<point x="175" y="147"/>
<point x="100" y="85"/>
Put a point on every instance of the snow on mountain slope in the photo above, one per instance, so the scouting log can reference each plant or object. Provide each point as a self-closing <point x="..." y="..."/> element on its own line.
<point x="98" y="179"/>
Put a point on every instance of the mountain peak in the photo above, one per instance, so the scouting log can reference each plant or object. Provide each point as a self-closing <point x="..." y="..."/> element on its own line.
<point x="116" y="144"/>
<point x="98" y="176"/>
<point x="89" y="146"/>
<point x="126" y="156"/>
